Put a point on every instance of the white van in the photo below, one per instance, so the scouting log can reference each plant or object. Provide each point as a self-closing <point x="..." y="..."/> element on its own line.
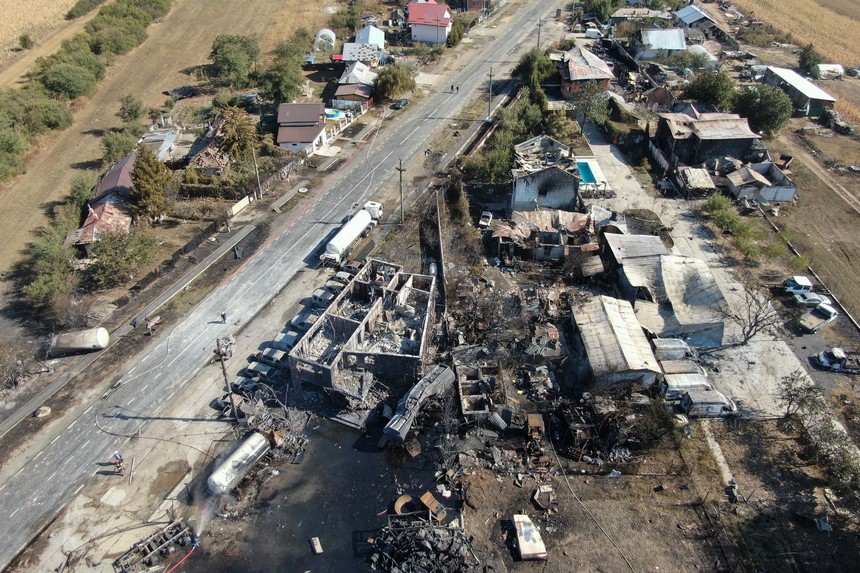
<point x="594" y="34"/>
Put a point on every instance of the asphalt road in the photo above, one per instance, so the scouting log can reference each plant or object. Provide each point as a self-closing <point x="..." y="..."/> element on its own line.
<point x="31" y="498"/>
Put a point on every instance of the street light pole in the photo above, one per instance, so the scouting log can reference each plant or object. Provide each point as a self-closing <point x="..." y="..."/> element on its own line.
<point x="257" y="173"/>
<point x="540" y="25"/>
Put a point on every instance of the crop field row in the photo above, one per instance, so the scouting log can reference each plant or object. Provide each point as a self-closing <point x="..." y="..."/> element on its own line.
<point x="28" y="16"/>
<point x="835" y="33"/>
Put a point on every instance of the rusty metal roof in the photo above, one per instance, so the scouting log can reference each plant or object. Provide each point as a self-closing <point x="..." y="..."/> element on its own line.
<point x="582" y="65"/>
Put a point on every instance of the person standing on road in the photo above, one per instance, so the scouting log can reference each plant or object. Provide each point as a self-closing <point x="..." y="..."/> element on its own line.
<point x="117" y="462"/>
<point x="223" y="318"/>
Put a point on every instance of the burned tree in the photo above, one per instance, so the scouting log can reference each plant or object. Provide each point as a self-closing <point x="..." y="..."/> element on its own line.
<point x="753" y="314"/>
<point x="796" y="393"/>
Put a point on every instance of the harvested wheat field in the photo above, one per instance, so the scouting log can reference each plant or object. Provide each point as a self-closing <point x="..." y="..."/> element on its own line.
<point x="832" y="26"/>
<point x="32" y="17"/>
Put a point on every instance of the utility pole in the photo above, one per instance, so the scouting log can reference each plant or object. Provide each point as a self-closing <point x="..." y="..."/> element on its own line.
<point x="220" y="351"/>
<point x="540" y="25"/>
<point x="401" y="170"/>
<point x="257" y="173"/>
<point x="490" y="96"/>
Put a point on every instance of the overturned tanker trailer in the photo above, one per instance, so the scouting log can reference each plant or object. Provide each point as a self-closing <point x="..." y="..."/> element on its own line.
<point x="230" y="472"/>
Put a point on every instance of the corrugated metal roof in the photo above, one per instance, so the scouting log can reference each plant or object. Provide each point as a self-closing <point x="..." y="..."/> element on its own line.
<point x="582" y="65"/>
<point x="728" y="128"/>
<point x="683" y="289"/>
<point x="696" y="178"/>
<point x="613" y="339"/>
<point x="354" y="52"/>
<point x="371" y="35"/>
<point x="358" y="73"/>
<point x="670" y="39"/>
<point x="354" y="89"/>
<point x="632" y="13"/>
<point x="627" y="246"/>
<point x="299" y="134"/>
<point x="691" y="14"/>
<point x="116" y="180"/>
<point x="745" y="175"/>
<point x="801" y="84"/>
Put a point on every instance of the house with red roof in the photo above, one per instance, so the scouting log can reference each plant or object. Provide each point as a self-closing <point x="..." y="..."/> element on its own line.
<point x="430" y="22"/>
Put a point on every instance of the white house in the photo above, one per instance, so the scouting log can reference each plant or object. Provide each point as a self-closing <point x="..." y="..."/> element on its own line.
<point x="430" y="22"/>
<point x="371" y="35"/>
<point x="301" y="127"/>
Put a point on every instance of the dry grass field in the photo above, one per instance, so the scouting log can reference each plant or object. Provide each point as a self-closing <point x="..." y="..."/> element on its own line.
<point x="182" y="40"/>
<point x="33" y="17"/>
<point x="833" y="26"/>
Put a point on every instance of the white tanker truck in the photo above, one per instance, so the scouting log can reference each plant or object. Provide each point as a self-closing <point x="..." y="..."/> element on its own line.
<point x="337" y="250"/>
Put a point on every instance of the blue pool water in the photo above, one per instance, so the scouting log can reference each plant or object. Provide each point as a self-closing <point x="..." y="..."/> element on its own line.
<point x="585" y="172"/>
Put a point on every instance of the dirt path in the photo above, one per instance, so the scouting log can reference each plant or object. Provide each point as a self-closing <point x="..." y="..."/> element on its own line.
<point x="801" y="153"/>
<point x="13" y="71"/>
<point x="181" y="40"/>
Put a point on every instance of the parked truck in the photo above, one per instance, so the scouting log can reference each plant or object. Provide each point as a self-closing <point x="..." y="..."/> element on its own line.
<point x="838" y="360"/>
<point x="338" y="248"/>
<point x="818" y="318"/>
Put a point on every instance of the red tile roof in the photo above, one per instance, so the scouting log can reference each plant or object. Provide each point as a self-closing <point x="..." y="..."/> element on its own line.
<point x="117" y="179"/>
<point x="104" y="217"/>
<point x="429" y="14"/>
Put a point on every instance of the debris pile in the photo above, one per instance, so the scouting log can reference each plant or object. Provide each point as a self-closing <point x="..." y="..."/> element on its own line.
<point x="154" y="549"/>
<point x="413" y="543"/>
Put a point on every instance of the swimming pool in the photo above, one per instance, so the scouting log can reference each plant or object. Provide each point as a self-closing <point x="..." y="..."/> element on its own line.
<point x="585" y="172"/>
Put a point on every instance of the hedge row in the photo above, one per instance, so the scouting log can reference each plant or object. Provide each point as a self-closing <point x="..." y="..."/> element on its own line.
<point x="71" y="72"/>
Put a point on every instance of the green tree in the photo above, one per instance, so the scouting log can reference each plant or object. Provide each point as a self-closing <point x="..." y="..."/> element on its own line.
<point x="152" y="181"/>
<point x="600" y="9"/>
<point x="130" y="109"/>
<point x="590" y="103"/>
<point x="282" y="79"/>
<point x="809" y="58"/>
<point x="713" y="87"/>
<point x="394" y="80"/>
<point x="239" y="135"/>
<point x="533" y="68"/>
<point x="118" y="256"/>
<point x="233" y="58"/>
<point x="116" y="145"/>
<point x="766" y="108"/>
<point x="68" y="80"/>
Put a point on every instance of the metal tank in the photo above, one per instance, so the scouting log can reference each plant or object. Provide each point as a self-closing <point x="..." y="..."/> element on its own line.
<point x="230" y="472"/>
<point x="80" y="341"/>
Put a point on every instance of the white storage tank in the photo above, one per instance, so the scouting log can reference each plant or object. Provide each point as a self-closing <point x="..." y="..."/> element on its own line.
<point x="80" y="341"/>
<point x="230" y="472"/>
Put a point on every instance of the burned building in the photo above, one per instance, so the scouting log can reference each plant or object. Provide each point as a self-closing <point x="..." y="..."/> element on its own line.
<point x="546" y="175"/>
<point x="378" y="326"/>
<point x="545" y="235"/>
<point x="693" y="138"/>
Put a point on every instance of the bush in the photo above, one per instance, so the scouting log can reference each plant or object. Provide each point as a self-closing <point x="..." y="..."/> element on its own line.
<point x="68" y="80"/>
<point x="393" y="81"/>
<point x="82" y="8"/>
<point x="116" y="145"/>
<point x="25" y="41"/>
<point x="716" y="202"/>
<point x="118" y="256"/>
<point x="749" y="249"/>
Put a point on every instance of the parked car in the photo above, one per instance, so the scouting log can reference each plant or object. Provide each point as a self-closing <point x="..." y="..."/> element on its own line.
<point x="322" y="297"/>
<point x="334" y="287"/>
<point x="286" y="340"/>
<point x="342" y="277"/>
<point x="798" y="284"/>
<point x="304" y="320"/>
<point x="400" y="104"/>
<point x="259" y="370"/>
<point x="810" y="299"/>
<point x="351" y="267"/>
<point x="272" y="357"/>
<point x="485" y="220"/>
<point x="838" y="360"/>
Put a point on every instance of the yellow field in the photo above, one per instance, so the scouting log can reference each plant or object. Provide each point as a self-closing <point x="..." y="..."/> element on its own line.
<point x="835" y="35"/>
<point x="29" y="16"/>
